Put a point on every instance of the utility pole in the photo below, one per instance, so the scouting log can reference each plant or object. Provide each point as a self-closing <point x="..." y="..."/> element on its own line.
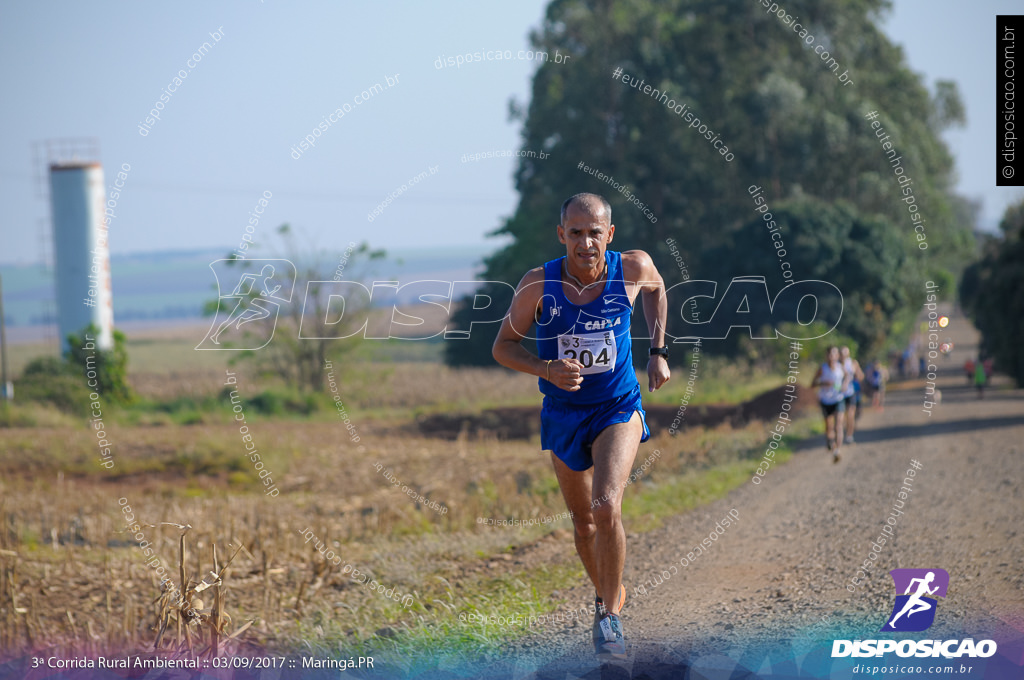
<point x="6" y="388"/>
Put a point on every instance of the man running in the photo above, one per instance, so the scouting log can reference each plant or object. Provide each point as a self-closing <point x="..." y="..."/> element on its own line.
<point x="592" y="419"/>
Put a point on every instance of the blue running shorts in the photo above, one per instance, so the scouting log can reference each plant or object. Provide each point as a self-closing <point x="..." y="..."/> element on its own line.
<point x="570" y="430"/>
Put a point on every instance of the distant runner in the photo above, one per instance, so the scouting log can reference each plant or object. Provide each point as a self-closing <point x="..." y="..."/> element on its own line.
<point x="832" y="381"/>
<point x="592" y="419"/>
<point x="969" y="370"/>
<point x="852" y="394"/>
<point x="980" y="377"/>
<point x="878" y="375"/>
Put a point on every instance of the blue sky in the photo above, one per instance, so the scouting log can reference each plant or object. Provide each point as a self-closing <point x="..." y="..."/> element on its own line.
<point x="225" y="135"/>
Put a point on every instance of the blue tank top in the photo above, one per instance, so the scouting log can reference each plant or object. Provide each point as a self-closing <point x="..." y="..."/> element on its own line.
<point x="595" y="334"/>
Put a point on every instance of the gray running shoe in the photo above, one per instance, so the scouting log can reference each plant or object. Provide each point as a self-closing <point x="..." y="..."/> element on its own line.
<point x="613" y="644"/>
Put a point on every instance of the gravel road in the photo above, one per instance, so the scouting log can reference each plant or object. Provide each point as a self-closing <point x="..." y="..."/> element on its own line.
<point x="774" y="585"/>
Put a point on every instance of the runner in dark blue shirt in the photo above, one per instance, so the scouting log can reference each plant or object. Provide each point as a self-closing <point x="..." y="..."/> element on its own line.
<point x="592" y="419"/>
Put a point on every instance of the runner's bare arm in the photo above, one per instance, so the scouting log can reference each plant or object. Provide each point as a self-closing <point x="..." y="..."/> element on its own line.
<point x="508" y="349"/>
<point x="638" y="268"/>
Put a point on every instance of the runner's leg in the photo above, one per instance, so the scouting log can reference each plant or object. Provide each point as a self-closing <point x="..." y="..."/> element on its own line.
<point x="614" y="451"/>
<point x="575" y="488"/>
<point x="839" y="429"/>
<point x="830" y="425"/>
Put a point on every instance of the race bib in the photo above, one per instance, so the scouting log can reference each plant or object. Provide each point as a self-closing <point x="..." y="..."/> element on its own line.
<point x="594" y="351"/>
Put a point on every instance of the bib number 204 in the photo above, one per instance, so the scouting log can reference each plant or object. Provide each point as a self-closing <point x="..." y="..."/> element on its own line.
<point x="587" y="358"/>
<point x="595" y="353"/>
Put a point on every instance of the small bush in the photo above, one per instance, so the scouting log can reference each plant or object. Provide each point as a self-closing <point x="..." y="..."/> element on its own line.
<point x="110" y="367"/>
<point x="268" y="403"/>
<point x="50" y="380"/>
<point x="275" y="402"/>
<point x="33" y="414"/>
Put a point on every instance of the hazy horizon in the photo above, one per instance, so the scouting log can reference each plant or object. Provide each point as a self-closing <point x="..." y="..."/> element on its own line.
<point x="230" y="131"/>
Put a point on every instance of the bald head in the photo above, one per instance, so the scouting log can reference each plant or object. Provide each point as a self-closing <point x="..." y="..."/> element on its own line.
<point x="591" y="205"/>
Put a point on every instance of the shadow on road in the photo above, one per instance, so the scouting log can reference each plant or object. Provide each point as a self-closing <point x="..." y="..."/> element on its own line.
<point x="870" y="436"/>
<point x="970" y="394"/>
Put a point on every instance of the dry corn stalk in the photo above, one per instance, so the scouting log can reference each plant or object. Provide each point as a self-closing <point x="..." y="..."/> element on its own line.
<point x="197" y="614"/>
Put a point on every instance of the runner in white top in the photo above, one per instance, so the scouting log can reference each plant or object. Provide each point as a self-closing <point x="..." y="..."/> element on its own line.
<point x="832" y="382"/>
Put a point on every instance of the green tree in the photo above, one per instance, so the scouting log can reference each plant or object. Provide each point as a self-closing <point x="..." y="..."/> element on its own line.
<point x="791" y="124"/>
<point x="992" y="293"/>
<point x="863" y="256"/>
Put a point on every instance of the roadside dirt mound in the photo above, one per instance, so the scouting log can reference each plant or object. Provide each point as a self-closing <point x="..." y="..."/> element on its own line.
<point x="768" y="405"/>
<point x="511" y="422"/>
<point x="523" y="422"/>
<point x="661" y="416"/>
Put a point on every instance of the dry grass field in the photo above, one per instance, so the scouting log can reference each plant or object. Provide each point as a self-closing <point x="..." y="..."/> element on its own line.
<point x="73" y="580"/>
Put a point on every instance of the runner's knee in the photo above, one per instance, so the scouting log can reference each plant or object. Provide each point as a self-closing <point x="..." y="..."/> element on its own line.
<point x="607" y="514"/>
<point x="584" y="526"/>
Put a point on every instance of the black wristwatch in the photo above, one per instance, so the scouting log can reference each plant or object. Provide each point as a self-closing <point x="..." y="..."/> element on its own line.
<point x="663" y="351"/>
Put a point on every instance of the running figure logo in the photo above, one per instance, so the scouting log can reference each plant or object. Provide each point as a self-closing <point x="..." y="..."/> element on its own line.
<point x="914" y="610"/>
<point x="257" y="296"/>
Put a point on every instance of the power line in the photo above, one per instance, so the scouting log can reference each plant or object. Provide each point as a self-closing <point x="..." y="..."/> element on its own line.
<point x="224" y="190"/>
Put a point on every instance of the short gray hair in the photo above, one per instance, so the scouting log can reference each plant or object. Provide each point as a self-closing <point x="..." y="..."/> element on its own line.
<point x="584" y="199"/>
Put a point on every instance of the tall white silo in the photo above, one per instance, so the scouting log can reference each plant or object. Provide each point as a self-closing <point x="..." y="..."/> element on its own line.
<point x="81" y="251"/>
